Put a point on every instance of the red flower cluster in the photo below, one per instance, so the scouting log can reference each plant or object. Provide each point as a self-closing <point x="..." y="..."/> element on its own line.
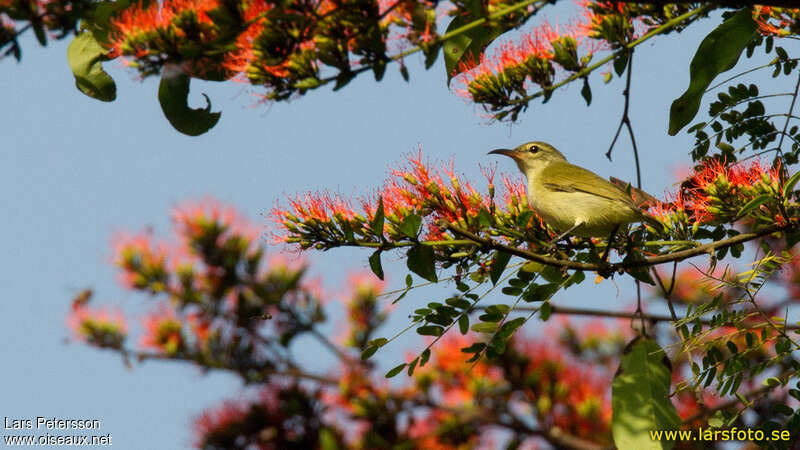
<point x="97" y="326"/>
<point x="143" y="264"/>
<point x="152" y="32"/>
<point x="501" y="81"/>
<point x="497" y="78"/>
<point x="281" y="46"/>
<point x="418" y="189"/>
<point x="775" y="21"/>
<point x="564" y="392"/>
<point x="280" y="417"/>
<point x="211" y="277"/>
<point x="716" y="193"/>
<point x="163" y="332"/>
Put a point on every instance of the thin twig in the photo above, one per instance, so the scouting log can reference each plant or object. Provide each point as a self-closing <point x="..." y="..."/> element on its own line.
<point x="789" y="115"/>
<point x="667" y="292"/>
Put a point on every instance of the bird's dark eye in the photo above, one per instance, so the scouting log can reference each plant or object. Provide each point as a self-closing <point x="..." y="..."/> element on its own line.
<point x="534" y="149"/>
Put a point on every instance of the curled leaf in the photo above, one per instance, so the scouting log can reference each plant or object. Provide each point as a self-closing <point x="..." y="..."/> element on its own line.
<point x="173" y="93"/>
<point x="85" y="56"/>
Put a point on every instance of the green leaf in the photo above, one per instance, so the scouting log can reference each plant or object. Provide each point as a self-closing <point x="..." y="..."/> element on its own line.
<point x="375" y="264"/>
<point x="621" y="62"/>
<point x="377" y="220"/>
<point x="395" y="370"/>
<point x="463" y="324"/>
<point x="430" y="330"/>
<point x="38" y="30"/>
<point x="404" y="72"/>
<point x="466" y="46"/>
<point x="474" y="348"/>
<point x="532" y="267"/>
<point x="412" y="365"/>
<point x="499" y="263"/>
<point x="499" y="309"/>
<point x="552" y="274"/>
<point x="642" y="274"/>
<point x="544" y="311"/>
<point x="379" y="69"/>
<point x="753" y="204"/>
<point x="787" y="189"/>
<point x="510" y="327"/>
<point x="173" y="93"/>
<point x="424" y="357"/>
<point x="586" y="91"/>
<point x="455" y="47"/>
<point x="540" y="292"/>
<point x="640" y="397"/>
<point x="458" y="302"/>
<point x="485" y="327"/>
<point x="718" y="52"/>
<point x="85" y="55"/>
<point x="421" y="261"/>
<point x="372" y="347"/>
<point x="378" y="342"/>
<point x="410" y="225"/>
<point x="431" y="52"/>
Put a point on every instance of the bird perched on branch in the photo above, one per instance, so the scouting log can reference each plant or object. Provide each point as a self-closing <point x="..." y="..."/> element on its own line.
<point x="573" y="200"/>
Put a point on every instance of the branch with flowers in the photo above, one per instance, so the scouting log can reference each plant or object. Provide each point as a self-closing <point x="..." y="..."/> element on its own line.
<point x="290" y="50"/>
<point x="445" y="221"/>
<point x="222" y="306"/>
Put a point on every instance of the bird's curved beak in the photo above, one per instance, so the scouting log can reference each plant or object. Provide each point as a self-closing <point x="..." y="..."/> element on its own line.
<point x="504" y="151"/>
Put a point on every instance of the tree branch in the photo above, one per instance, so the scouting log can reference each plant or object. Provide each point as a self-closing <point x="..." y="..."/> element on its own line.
<point x="622" y="315"/>
<point x="489" y="243"/>
<point x="725" y="3"/>
<point x="788" y="117"/>
<point x="289" y="372"/>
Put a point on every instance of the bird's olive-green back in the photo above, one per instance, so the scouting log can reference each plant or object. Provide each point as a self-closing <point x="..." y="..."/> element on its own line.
<point x="565" y="177"/>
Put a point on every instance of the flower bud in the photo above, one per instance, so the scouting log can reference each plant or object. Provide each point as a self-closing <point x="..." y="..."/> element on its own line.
<point x="410" y="179"/>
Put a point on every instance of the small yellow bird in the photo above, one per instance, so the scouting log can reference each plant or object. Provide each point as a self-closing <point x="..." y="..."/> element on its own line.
<point x="571" y="199"/>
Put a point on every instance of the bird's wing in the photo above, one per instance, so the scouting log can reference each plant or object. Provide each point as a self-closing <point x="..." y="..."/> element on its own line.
<point x="565" y="177"/>
<point x="640" y="197"/>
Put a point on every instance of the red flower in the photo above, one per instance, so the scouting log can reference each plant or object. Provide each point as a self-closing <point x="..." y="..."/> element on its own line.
<point x="163" y="331"/>
<point x="98" y="326"/>
<point x="193" y="219"/>
<point x="780" y="22"/>
<point x="143" y="263"/>
<point x="156" y="17"/>
<point x="419" y="188"/>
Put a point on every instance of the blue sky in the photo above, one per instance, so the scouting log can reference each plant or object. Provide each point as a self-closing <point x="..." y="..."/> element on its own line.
<point x="74" y="170"/>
